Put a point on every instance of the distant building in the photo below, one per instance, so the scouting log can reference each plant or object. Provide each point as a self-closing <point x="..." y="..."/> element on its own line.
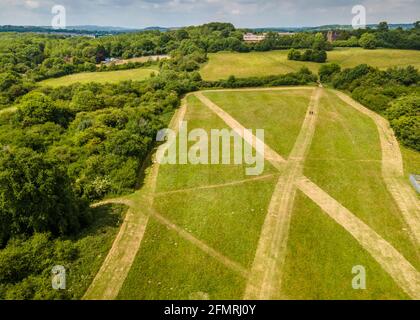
<point x="111" y="60"/>
<point x="332" y="36"/>
<point x="285" y="34"/>
<point x="252" y="37"/>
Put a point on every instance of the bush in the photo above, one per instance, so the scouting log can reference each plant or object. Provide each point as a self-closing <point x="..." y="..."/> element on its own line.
<point x="25" y="176"/>
<point x="404" y="106"/>
<point x="327" y="71"/>
<point x="407" y="130"/>
<point x="38" y="108"/>
<point x="315" y="55"/>
<point x="368" y="41"/>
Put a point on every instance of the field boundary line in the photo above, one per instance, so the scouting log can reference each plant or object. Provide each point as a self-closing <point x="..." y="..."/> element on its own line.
<point x="215" y="186"/>
<point x="114" y="270"/>
<point x="403" y="273"/>
<point x="201" y="245"/>
<point x="266" y="272"/>
<point x="393" y="169"/>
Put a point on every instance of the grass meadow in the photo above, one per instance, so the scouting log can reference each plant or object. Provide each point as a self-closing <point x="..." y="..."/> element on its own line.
<point x="224" y="64"/>
<point x="100" y="77"/>
<point x="279" y="113"/>
<point x="320" y="258"/>
<point x="345" y="161"/>
<point x="227" y="218"/>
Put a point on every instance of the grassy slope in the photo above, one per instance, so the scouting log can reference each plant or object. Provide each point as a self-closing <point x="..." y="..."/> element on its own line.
<point x="101" y="77"/>
<point x="224" y="64"/>
<point x="320" y="258"/>
<point x="279" y="113"/>
<point x="345" y="161"/>
<point x="321" y="254"/>
<point x="168" y="267"/>
<point x="230" y="227"/>
<point x="175" y="177"/>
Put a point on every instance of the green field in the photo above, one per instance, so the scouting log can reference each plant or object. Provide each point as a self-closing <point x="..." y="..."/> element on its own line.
<point x="100" y="77"/>
<point x="224" y="64"/>
<point x="267" y="110"/>
<point x="345" y="161"/>
<point x="321" y="256"/>
<point x="219" y="206"/>
<point x="209" y="214"/>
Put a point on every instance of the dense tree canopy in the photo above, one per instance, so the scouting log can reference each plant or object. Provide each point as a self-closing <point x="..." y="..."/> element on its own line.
<point x="36" y="195"/>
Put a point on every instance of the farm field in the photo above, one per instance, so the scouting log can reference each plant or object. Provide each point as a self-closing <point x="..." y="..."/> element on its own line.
<point x="224" y="64"/>
<point x="348" y="167"/>
<point x="266" y="110"/>
<point x="344" y="160"/>
<point x="100" y="77"/>
<point x="215" y="233"/>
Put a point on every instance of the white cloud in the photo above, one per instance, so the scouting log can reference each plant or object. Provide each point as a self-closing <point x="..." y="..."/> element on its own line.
<point x="32" y="4"/>
<point x="243" y="13"/>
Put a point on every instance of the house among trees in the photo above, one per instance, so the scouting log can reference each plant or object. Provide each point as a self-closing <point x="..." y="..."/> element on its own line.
<point x="252" y="37"/>
<point x="285" y="34"/>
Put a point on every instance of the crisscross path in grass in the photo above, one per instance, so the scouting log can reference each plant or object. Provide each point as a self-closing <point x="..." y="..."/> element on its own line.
<point x="202" y="218"/>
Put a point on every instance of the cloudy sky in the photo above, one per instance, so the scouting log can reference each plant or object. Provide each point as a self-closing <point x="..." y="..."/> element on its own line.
<point x="172" y="13"/>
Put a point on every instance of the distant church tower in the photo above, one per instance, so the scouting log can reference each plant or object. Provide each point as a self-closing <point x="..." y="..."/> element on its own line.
<point x="331" y="36"/>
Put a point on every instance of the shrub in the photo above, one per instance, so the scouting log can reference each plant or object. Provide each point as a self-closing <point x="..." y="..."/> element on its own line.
<point x="327" y="71"/>
<point x="368" y="41"/>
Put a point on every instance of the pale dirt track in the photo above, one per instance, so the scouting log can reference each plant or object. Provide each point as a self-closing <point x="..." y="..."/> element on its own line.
<point x="271" y="251"/>
<point x="393" y="170"/>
